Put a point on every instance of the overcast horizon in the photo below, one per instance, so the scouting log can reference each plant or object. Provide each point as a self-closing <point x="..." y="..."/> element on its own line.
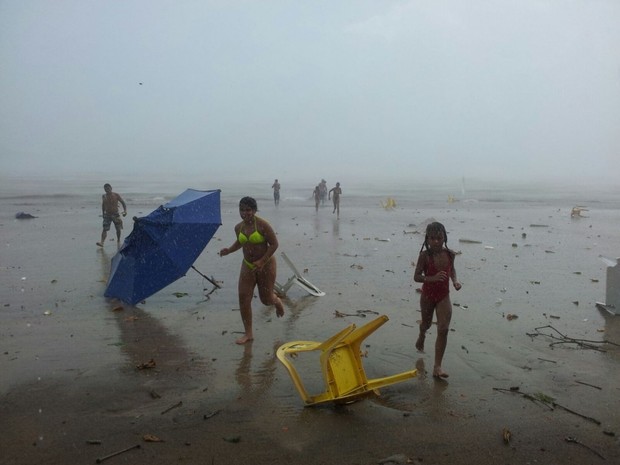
<point x="508" y="90"/>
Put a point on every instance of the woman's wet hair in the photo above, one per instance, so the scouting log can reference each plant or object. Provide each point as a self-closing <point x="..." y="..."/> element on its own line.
<point x="248" y="202"/>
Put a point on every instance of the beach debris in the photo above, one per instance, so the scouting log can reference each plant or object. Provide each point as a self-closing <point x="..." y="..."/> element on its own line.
<point x="360" y="313"/>
<point x="411" y="232"/>
<point x="397" y="459"/>
<point x="146" y="365"/>
<point x="154" y="395"/>
<point x="118" y="308"/>
<point x="547" y="401"/>
<point x="114" y="454"/>
<point x="539" y="225"/>
<point x="465" y="349"/>
<point x="489" y="247"/>
<point x="591" y="385"/>
<point x="24" y="216"/>
<point x="576" y="211"/>
<point x="178" y="295"/>
<point x="390" y="203"/>
<point x="358" y="267"/>
<point x="469" y="241"/>
<point x="506" y="435"/>
<point x="233" y="439"/>
<point x="563" y="339"/>
<point x="47" y="313"/>
<point x="206" y="416"/>
<point x="511" y="316"/>
<point x="94" y="442"/>
<point x="576" y="441"/>
<point x="177" y="405"/>
<point x="547" y="360"/>
<point x="151" y="438"/>
<point x="382" y="240"/>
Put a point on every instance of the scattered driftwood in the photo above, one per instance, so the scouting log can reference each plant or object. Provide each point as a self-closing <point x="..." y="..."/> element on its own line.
<point x="590" y="385"/>
<point x="576" y="441"/>
<point x="114" y="454"/>
<point x="546" y="401"/>
<point x="563" y="339"/>
<point x="360" y="313"/>
<point x="178" y="404"/>
<point x="206" y="416"/>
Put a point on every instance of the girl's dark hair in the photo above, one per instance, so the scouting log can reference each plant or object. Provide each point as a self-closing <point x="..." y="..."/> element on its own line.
<point x="435" y="228"/>
<point x="248" y="202"/>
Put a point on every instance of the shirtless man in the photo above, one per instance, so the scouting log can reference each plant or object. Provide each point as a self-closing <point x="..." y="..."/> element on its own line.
<point x="109" y="209"/>
<point x="337" y="192"/>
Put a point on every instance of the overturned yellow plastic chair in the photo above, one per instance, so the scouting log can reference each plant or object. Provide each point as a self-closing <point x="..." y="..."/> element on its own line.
<point x="341" y="365"/>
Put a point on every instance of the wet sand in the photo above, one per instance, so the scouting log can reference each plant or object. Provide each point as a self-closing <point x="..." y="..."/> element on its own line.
<point x="71" y="392"/>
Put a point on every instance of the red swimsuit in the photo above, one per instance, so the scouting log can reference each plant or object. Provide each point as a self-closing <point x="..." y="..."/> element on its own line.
<point x="436" y="291"/>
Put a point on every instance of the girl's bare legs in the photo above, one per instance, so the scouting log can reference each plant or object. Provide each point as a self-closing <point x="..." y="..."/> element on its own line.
<point x="426" y="309"/>
<point x="444" y="315"/>
<point x="247" y="281"/>
<point x="266" y="279"/>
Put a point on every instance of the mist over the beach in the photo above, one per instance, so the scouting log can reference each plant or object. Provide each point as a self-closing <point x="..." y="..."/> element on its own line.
<point x="522" y="91"/>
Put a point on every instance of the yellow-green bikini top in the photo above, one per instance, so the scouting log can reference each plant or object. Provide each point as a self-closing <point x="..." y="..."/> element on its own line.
<point x="255" y="237"/>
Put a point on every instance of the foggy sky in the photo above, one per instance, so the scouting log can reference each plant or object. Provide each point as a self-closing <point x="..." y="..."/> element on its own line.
<point x="308" y="89"/>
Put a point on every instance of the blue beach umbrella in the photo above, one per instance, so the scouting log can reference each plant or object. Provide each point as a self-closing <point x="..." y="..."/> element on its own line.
<point x="163" y="245"/>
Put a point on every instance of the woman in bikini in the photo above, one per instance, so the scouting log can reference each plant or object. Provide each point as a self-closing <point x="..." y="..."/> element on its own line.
<point x="435" y="269"/>
<point x="258" y="240"/>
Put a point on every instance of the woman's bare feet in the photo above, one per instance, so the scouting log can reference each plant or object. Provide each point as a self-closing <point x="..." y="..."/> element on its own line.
<point x="244" y="339"/>
<point x="419" y="344"/>
<point x="439" y="373"/>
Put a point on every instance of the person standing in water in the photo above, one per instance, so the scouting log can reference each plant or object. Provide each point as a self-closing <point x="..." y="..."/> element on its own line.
<point x="276" y="192"/>
<point x="257" y="239"/>
<point x="335" y="192"/>
<point x="435" y="269"/>
<point x="109" y="210"/>
<point x="323" y="191"/>
<point x="316" y="195"/>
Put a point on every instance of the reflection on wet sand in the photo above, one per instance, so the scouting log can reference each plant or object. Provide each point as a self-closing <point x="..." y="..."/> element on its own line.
<point x="255" y="384"/>
<point x="147" y="343"/>
<point x="426" y="393"/>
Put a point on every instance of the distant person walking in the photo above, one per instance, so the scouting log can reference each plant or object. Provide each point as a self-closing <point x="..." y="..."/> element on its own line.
<point x="323" y="191"/>
<point x="259" y="242"/>
<point x="435" y="269"/>
<point x="276" y="192"/>
<point x="316" y="194"/>
<point x="109" y="210"/>
<point x="335" y="192"/>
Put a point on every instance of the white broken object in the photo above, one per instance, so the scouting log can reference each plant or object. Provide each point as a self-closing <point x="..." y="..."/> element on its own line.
<point x="608" y="261"/>
<point x="298" y="279"/>
<point x="612" y="290"/>
<point x="576" y="211"/>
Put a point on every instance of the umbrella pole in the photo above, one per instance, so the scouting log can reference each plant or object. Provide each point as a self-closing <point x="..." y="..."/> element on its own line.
<point x="212" y="281"/>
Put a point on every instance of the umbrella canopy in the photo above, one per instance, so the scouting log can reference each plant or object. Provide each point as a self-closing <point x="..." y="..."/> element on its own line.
<point x="163" y="245"/>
